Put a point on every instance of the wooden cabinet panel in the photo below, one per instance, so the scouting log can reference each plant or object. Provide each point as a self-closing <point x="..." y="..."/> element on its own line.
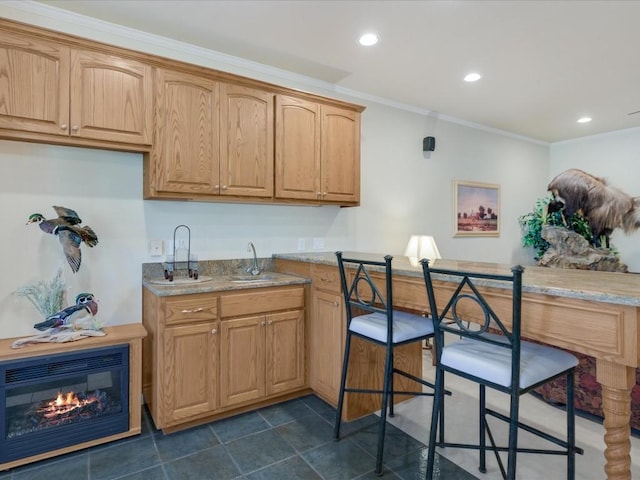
<point x="326" y="344"/>
<point x="111" y="98"/>
<point x="49" y="88"/>
<point x="185" y="154"/>
<point x="34" y="84"/>
<point x="242" y="365"/>
<point x="327" y="278"/>
<point x="246" y="140"/>
<point x="260" y="300"/>
<point x="190" y="371"/>
<point x="284" y="351"/>
<point x="297" y="148"/>
<point x="317" y="152"/>
<point x="214" y="136"/>
<point x="190" y="308"/>
<point x="340" y="154"/>
<point x="261" y="355"/>
<point x="197" y="365"/>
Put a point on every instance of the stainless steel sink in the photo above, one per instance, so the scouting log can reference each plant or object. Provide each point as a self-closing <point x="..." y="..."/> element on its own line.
<point x="250" y="278"/>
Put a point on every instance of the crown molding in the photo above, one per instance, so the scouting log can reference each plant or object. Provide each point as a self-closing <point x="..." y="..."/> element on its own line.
<point x="47" y="16"/>
<point x="626" y="131"/>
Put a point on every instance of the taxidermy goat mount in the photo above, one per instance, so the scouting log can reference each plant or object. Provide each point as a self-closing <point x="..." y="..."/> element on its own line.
<point x="605" y="207"/>
<point x="69" y="232"/>
<point x="571" y="227"/>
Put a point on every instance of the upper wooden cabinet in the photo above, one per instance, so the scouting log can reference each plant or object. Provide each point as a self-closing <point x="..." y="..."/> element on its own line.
<point x="297" y="148"/>
<point x="211" y="139"/>
<point x="317" y="152"/>
<point x="340" y="154"/>
<point x="185" y="157"/>
<point x="111" y="98"/>
<point x="49" y="88"/>
<point x="34" y="86"/>
<point x="246" y="141"/>
<point x="206" y="135"/>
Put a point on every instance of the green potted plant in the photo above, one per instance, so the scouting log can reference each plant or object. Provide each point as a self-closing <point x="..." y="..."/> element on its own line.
<point x="533" y="223"/>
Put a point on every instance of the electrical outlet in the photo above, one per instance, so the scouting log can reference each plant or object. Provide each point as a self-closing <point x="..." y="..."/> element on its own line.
<point x="155" y="248"/>
<point x="318" y="243"/>
<point x="301" y="244"/>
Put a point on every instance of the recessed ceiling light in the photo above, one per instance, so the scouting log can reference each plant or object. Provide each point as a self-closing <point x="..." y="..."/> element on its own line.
<point x="368" y="39"/>
<point x="472" y="77"/>
<point x="584" y="120"/>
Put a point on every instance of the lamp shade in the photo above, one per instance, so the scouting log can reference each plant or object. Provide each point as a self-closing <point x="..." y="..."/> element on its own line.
<point x="421" y="246"/>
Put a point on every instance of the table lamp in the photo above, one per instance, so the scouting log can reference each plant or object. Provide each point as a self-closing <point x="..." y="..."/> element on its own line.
<point x="421" y="246"/>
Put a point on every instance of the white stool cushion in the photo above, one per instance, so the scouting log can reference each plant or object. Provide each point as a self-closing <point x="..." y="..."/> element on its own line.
<point x="406" y="326"/>
<point x="493" y="363"/>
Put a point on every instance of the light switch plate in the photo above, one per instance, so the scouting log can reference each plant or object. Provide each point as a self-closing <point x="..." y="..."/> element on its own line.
<point x="155" y="248"/>
<point x="318" y="243"/>
<point x="301" y="244"/>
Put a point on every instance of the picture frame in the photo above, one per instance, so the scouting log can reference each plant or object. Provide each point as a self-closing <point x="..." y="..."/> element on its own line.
<point x="476" y="209"/>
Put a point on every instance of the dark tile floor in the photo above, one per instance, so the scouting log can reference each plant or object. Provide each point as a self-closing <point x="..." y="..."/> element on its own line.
<point x="288" y="441"/>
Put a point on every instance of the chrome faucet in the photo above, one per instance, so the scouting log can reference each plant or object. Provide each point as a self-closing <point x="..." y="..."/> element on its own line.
<point x="253" y="269"/>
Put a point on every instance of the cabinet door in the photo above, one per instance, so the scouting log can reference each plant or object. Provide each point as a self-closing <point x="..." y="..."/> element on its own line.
<point x="246" y="139"/>
<point x="285" y="351"/>
<point x="185" y="155"/>
<point x="190" y="371"/>
<point x="242" y="365"/>
<point x="326" y="343"/>
<point x="34" y="85"/>
<point x="297" y="149"/>
<point x="111" y="98"/>
<point x="340" y="155"/>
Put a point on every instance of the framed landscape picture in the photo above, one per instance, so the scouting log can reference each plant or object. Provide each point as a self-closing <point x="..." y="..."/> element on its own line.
<point x="476" y="209"/>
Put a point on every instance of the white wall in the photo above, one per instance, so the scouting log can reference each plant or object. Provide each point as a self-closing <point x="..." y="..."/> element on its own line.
<point x="403" y="192"/>
<point x="613" y="156"/>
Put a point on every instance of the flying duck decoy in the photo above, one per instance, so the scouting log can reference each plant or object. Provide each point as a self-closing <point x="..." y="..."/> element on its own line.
<point x="70" y="233"/>
<point x="85" y="306"/>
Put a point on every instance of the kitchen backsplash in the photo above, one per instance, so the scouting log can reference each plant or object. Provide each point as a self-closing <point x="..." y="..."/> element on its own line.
<point x="210" y="268"/>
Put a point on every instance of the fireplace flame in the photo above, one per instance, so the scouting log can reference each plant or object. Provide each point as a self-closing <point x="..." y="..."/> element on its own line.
<point x="64" y="404"/>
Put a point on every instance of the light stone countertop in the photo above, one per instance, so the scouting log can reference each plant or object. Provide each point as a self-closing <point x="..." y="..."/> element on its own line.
<point x="220" y="278"/>
<point x="609" y="287"/>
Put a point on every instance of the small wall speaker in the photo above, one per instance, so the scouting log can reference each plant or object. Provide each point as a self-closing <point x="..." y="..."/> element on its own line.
<point x="429" y="144"/>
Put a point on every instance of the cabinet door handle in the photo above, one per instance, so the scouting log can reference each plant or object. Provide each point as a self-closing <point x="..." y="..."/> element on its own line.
<point x="262" y="323"/>
<point x="269" y="322"/>
<point x="224" y="187"/>
<point x="195" y="310"/>
<point x="63" y="126"/>
<point x="324" y="194"/>
<point x="214" y="331"/>
<point x="75" y="128"/>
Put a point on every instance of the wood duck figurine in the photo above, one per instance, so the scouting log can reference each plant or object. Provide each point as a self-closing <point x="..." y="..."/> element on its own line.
<point x="70" y="233"/>
<point x="85" y="306"/>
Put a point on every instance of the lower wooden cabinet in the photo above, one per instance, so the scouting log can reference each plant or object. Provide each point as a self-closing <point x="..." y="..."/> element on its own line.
<point x="242" y="361"/>
<point x="326" y="333"/>
<point x="207" y="354"/>
<point x="285" y="352"/>
<point x="190" y="378"/>
<point x="260" y="356"/>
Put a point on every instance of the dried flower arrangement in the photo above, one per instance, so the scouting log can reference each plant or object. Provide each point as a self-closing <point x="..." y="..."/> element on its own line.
<point x="47" y="297"/>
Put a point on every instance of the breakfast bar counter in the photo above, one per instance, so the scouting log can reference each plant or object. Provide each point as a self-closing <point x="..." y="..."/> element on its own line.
<point x="595" y="313"/>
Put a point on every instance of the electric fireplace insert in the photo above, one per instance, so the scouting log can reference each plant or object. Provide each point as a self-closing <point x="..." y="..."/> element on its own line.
<point x="54" y="401"/>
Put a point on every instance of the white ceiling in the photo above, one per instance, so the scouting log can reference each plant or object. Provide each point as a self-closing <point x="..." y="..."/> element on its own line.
<point x="544" y="63"/>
